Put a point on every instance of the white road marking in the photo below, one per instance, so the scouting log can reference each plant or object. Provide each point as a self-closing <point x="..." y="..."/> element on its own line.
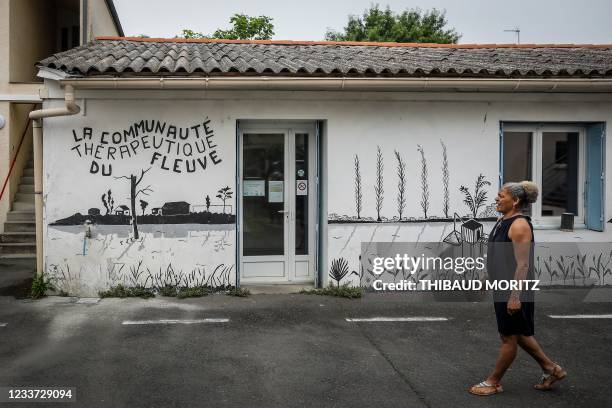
<point x="88" y="301"/>
<point x="398" y="319"/>
<point x="174" y="321"/>
<point x="583" y="316"/>
<point x="3" y="324"/>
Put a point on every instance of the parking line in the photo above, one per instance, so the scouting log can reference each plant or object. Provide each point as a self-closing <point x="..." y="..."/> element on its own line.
<point x="398" y="319"/>
<point x="3" y="324"/>
<point x="173" y="321"/>
<point x="583" y="316"/>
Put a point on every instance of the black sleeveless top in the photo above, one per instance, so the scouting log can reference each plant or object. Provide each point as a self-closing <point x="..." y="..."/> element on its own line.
<point x="501" y="263"/>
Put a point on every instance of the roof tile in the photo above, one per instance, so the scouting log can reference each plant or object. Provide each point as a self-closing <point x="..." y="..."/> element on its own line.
<point x="121" y="56"/>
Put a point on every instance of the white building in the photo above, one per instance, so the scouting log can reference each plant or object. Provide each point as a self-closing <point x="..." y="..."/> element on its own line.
<point x="299" y="152"/>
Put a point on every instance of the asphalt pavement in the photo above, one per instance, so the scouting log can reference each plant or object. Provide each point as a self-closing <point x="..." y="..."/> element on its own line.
<point x="293" y="351"/>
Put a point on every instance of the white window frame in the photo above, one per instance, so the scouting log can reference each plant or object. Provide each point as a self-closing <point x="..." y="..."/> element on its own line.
<point x="537" y="130"/>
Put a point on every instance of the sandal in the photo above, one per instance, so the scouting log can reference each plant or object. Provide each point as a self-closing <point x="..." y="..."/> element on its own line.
<point x="484" y="388"/>
<point x="548" y="379"/>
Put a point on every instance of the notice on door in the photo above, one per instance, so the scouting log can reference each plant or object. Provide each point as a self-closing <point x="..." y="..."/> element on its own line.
<point x="301" y="187"/>
<point x="254" y="188"/>
<point x="275" y="191"/>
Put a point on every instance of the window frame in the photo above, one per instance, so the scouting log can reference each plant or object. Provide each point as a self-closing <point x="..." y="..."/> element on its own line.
<point x="537" y="130"/>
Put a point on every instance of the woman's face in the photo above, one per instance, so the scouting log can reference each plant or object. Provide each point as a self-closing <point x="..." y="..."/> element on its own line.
<point x="504" y="202"/>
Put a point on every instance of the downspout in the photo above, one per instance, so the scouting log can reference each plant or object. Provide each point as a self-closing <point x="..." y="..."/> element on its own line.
<point x="71" y="108"/>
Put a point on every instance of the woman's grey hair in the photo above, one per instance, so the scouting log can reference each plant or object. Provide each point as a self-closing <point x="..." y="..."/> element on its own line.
<point x="525" y="191"/>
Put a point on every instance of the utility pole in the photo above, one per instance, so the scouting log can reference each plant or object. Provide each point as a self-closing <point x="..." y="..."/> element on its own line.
<point x="517" y="31"/>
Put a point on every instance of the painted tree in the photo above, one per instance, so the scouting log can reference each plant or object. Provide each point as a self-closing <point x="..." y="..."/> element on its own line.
<point x="445" y="179"/>
<point x="378" y="187"/>
<point x="207" y="203"/>
<point x="358" y="194"/>
<point x="401" y="184"/>
<point x="134" y="193"/>
<point x="108" y="201"/>
<point x="474" y="202"/>
<point x="224" y="194"/>
<point x="424" y="182"/>
<point x="143" y="205"/>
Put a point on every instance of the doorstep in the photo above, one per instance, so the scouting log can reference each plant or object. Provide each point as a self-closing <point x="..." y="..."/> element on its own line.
<point x="269" y="289"/>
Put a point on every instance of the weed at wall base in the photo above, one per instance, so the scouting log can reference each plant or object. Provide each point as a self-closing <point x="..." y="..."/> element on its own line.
<point x="239" y="292"/>
<point x="121" y="291"/>
<point x="345" y="291"/>
<point x="40" y="286"/>
<point x="197" y="291"/>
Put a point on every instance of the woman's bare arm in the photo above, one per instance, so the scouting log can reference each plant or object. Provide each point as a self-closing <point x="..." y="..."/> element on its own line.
<point x="520" y="234"/>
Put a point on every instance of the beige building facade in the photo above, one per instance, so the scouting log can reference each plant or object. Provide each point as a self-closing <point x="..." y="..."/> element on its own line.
<point x="31" y="30"/>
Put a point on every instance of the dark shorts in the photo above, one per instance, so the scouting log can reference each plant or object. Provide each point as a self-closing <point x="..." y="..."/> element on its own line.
<point x="518" y="323"/>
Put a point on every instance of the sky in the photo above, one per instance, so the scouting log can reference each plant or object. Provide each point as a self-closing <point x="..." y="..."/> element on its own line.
<point x="479" y="21"/>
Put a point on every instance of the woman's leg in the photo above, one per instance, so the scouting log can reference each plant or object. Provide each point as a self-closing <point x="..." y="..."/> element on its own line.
<point x="531" y="346"/>
<point x="507" y="353"/>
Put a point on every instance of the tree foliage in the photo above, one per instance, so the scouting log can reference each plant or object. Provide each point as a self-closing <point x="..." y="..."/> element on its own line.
<point x="243" y="28"/>
<point x="411" y="25"/>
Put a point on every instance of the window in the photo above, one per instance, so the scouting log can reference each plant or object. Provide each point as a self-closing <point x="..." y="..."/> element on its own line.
<point x="554" y="157"/>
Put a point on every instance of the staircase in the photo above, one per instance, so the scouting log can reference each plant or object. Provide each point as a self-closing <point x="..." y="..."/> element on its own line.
<point x="18" y="242"/>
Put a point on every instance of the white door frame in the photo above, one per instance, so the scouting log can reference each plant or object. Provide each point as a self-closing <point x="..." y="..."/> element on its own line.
<point x="298" y="268"/>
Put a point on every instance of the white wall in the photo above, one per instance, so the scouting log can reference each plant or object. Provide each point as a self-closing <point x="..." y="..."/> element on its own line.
<point x="112" y="255"/>
<point x="356" y="124"/>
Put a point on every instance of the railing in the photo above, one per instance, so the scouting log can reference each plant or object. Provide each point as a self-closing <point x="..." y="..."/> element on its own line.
<point x="10" y="171"/>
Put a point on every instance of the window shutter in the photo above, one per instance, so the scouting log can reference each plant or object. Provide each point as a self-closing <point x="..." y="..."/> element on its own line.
<point x="594" y="192"/>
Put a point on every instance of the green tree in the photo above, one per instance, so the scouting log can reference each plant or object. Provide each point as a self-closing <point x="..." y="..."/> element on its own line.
<point x="187" y="33"/>
<point x="244" y="28"/>
<point x="413" y="25"/>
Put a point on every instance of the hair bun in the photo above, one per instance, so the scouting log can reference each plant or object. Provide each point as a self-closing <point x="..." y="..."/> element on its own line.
<point x="531" y="191"/>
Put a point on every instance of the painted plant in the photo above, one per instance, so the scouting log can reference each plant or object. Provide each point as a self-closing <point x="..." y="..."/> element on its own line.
<point x="445" y="180"/>
<point x="338" y="270"/>
<point x="424" y="182"/>
<point x="479" y="198"/>
<point x="108" y="201"/>
<point x="401" y="184"/>
<point x="378" y="187"/>
<point x="358" y="193"/>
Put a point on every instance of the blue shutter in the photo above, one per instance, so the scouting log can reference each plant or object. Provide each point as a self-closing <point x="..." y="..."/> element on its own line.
<point x="594" y="194"/>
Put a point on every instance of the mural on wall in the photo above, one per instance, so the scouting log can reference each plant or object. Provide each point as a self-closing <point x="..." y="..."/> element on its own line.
<point x="145" y="213"/>
<point x="556" y="265"/>
<point x="476" y="201"/>
<point x="435" y="201"/>
<point x="173" y="212"/>
<point x="194" y="146"/>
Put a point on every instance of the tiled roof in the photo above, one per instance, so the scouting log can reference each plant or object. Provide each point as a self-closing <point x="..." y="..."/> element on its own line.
<point x="118" y="56"/>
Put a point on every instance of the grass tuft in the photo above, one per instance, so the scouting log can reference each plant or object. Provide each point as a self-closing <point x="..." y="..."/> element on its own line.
<point x="239" y="292"/>
<point x="40" y="286"/>
<point x="197" y="291"/>
<point x="168" y="291"/>
<point x="345" y="291"/>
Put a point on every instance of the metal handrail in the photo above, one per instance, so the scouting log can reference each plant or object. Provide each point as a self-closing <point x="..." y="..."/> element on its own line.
<point x="8" y="175"/>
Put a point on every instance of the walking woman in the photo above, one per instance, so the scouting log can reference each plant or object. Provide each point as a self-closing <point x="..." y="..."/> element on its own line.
<point x="514" y="309"/>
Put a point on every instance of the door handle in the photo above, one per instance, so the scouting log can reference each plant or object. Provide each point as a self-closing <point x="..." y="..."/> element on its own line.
<point x="282" y="211"/>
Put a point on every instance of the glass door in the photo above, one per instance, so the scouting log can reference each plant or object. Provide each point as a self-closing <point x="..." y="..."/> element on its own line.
<point x="276" y="205"/>
<point x="263" y="194"/>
